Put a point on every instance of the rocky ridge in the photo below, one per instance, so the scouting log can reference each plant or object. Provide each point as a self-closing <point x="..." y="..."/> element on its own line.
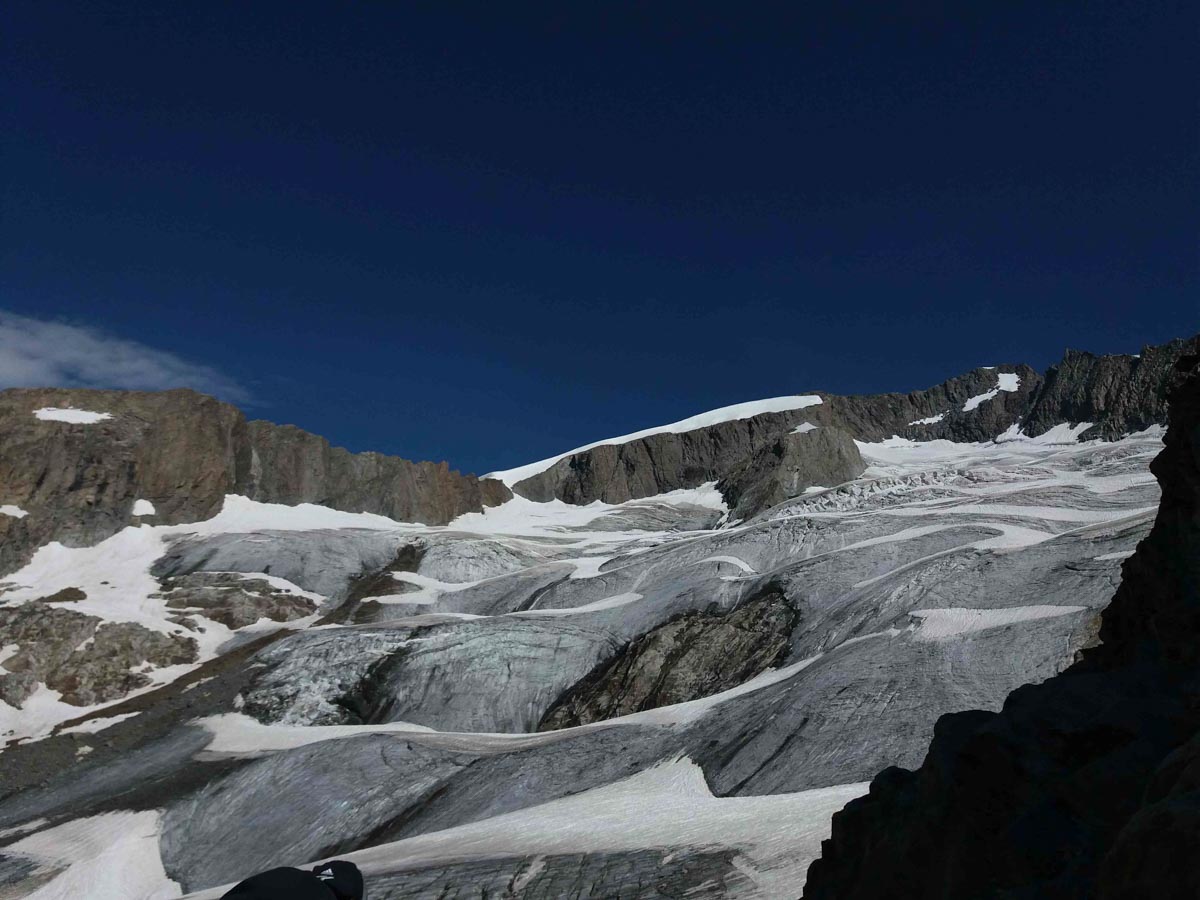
<point x="183" y="452"/>
<point x="1117" y="394"/>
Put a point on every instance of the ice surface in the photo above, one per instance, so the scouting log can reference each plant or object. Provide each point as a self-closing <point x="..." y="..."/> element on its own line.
<point x="884" y="566"/>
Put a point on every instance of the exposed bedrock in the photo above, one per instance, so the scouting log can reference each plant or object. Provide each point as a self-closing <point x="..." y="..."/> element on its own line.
<point x="784" y="468"/>
<point x="232" y="599"/>
<point x="951" y="410"/>
<point x="693" y="656"/>
<point x="1083" y="786"/>
<point x="614" y="473"/>
<point x="288" y="465"/>
<point x="183" y="452"/>
<point x="74" y="654"/>
<point x="1119" y="393"/>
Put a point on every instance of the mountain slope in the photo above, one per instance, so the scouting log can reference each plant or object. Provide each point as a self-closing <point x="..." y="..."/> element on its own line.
<point x="662" y="694"/>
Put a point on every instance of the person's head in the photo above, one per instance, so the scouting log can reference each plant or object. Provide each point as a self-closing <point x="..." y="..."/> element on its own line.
<point x="343" y="878"/>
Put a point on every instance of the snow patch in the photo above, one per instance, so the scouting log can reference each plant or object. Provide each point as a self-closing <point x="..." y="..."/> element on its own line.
<point x="1007" y="381"/>
<point x="668" y="805"/>
<point x="805" y="428"/>
<point x="68" y="414"/>
<point x="1062" y="433"/>
<point x="107" y="857"/>
<point x="91" y="726"/>
<point x="595" y="606"/>
<point x="529" y="518"/>
<point x="939" y="624"/>
<point x="714" y="417"/>
<point x="237" y="734"/>
<point x="931" y="420"/>
<point x="733" y="561"/>
<point x="143" y="508"/>
<point x="16" y="512"/>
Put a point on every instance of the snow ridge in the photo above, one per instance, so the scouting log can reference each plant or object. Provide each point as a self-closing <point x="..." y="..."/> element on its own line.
<point x="733" y="413"/>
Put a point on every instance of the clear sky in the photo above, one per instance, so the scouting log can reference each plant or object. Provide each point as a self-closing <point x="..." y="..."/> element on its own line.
<point x="488" y="233"/>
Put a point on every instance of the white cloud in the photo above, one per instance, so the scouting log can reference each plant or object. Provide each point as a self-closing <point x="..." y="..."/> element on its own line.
<point x="41" y="353"/>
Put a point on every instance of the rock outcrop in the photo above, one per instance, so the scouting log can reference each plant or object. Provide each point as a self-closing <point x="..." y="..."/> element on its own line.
<point x="288" y="465"/>
<point x="785" y="468"/>
<point x="74" y="654"/>
<point x="232" y="599"/>
<point x="695" y="655"/>
<point x="614" y="473"/>
<point x="1119" y="393"/>
<point x="1084" y="786"/>
<point x="975" y="406"/>
<point x="78" y="482"/>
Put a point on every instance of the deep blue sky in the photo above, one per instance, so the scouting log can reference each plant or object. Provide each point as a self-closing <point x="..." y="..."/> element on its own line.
<point x="490" y="233"/>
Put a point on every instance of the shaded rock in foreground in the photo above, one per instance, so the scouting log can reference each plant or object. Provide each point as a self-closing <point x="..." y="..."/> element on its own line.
<point x="695" y="655"/>
<point x="1080" y="787"/>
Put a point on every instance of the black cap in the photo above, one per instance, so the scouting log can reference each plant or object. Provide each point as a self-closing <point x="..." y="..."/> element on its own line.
<point x="341" y="877"/>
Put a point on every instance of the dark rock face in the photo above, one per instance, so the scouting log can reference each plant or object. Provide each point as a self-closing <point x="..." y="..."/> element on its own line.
<point x="1119" y="394"/>
<point x="288" y="465"/>
<point x="184" y="452"/>
<point x="659" y="463"/>
<point x="695" y="655"/>
<point x="760" y="456"/>
<point x="66" y="595"/>
<point x="180" y="450"/>
<point x="233" y="600"/>
<point x="784" y="468"/>
<point x="1084" y="786"/>
<point x="876" y="417"/>
<point x="85" y="663"/>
